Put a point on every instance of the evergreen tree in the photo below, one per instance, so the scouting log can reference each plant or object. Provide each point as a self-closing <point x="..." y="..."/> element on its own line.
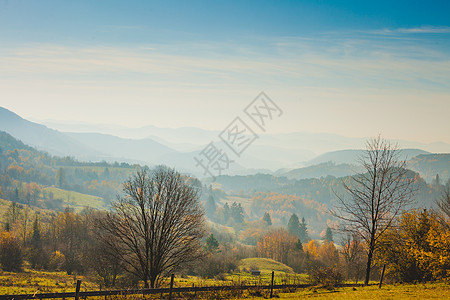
<point x="294" y="225"/>
<point x="211" y="244"/>
<point x="226" y="213"/>
<point x="16" y="195"/>
<point x="328" y="235"/>
<point x="60" y="180"/>
<point x="210" y="207"/>
<point x="437" y="181"/>
<point x="36" y="251"/>
<point x="267" y="218"/>
<point x="237" y="213"/>
<point x="299" y="245"/>
<point x="303" y="231"/>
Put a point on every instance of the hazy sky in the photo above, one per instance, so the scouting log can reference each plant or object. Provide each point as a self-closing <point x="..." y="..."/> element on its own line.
<point x="357" y="68"/>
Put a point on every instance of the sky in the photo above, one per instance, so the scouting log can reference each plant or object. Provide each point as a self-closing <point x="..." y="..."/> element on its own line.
<point x="354" y="68"/>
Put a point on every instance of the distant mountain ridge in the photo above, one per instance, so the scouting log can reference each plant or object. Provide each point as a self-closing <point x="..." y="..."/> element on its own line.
<point x="288" y="152"/>
<point x="42" y="137"/>
<point x="351" y="156"/>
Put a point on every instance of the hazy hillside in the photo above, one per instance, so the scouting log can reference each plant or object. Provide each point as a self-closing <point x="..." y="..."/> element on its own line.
<point x="145" y="150"/>
<point x="178" y="147"/>
<point x="430" y="165"/>
<point x="42" y="137"/>
<point x="320" y="170"/>
<point x="352" y="156"/>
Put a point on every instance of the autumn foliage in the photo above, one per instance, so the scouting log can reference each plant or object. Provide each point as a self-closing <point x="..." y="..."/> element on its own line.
<point x="276" y="245"/>
<point x="11" y="258"/>
<point x="417" y="248"/>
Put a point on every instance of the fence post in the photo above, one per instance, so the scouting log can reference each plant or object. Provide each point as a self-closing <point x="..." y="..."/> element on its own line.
<point x="77" y="291"/>
<point x="382" y="275"/>
<point x="171" y="286"/>
<point x="271" y="285"/>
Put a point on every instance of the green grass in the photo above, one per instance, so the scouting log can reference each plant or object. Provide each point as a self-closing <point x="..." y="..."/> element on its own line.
<point x="220" y="227"/>
<point x="31" y="281"/>
<point x="264" y="265"/>
<point x="401" y="291"/>
<point x="75" y="199"/>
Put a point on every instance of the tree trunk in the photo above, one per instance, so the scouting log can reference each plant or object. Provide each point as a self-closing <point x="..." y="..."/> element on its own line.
<point x="369" y="265"/>
<point x="152" y="282"/>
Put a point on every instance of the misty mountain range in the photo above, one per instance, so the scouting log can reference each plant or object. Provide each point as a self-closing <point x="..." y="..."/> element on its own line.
<point x="296" y="155"/>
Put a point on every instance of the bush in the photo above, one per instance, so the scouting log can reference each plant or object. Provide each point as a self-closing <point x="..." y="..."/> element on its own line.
<point x="11" y="257"/>
<point x="325" y="276"/>
<point x="216" y="265"/>
<point x="56" y="262"/>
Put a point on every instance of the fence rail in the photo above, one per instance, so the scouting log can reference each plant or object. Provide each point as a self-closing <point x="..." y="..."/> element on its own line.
<point x="157" y="291"/>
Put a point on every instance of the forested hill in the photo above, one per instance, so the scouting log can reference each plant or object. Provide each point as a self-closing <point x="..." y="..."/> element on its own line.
<point x="33" y="177"/>
<point x="432" y="166"/>
<point x="322" y="190"/>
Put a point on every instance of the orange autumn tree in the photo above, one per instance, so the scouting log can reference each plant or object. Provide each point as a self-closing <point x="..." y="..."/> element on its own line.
<point x="328" y="254"/>
<point x="277" y="244"/>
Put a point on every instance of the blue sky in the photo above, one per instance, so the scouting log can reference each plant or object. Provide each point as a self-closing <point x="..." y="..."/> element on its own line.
<point x="356" y="68"/>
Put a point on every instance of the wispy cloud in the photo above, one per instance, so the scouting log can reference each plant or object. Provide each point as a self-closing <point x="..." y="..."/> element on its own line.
<point x="413" y="30"/>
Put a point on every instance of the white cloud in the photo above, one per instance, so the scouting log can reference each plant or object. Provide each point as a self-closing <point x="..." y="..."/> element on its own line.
<point x="339" y="78"/>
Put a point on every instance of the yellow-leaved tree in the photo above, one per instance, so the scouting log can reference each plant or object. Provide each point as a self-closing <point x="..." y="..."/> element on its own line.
<point x="416" y="248"/>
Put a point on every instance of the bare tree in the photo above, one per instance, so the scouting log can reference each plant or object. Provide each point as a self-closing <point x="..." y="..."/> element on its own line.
<point x="156" y="227"/>
<point x="375" y="197"/>
<point x="443" y="204"/>
<point x="352" y="252"/>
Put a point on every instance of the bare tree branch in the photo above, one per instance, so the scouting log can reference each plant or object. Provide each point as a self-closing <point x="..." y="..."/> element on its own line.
<point x="156" y="227"/>
<point x="376" y="196"/>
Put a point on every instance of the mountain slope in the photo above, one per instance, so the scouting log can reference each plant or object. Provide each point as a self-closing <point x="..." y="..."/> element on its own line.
<point x="430" y="165"/>
<point x="145" y="150"/>
<point x="351" y="156"/>
<point x="42" y="137"/>
<point x="321" y="170"/>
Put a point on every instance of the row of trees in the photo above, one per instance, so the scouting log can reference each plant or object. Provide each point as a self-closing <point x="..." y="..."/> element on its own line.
<point x="158" y="224"/>
<point x="154" y="229"/>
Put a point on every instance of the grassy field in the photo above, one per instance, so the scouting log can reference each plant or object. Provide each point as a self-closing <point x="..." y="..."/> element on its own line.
<point x="265" y="265"/>
<point x="31" y="281"/>
<point x="403" y="291"/>
<point x="74" y="199"/>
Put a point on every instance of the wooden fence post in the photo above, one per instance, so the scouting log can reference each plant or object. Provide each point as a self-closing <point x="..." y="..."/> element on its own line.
<point x="382" y="275"/>
<point x="77" y="291"/>
<point x="271" y="285"/>
<point x="171" y="286"/>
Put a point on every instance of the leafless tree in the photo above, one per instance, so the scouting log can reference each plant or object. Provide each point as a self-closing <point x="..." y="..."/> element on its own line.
<point x="443" y="204"/>
<point x="376" y="196"/>
<point x="156" y="227"/>
<point x="352" y="252"/>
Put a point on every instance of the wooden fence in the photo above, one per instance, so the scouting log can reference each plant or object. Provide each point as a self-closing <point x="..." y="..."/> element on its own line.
<point x="78" y="294"/>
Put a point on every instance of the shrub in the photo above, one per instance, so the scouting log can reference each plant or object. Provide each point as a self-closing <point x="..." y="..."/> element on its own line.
<point x="215" y="265"/>
<point x="11" y="257"/>
<point x="326" y="276"/>
<point x="57" y="260"/>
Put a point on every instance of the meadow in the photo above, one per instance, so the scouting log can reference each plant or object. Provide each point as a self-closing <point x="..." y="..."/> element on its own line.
<point x="30" y="281"/>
